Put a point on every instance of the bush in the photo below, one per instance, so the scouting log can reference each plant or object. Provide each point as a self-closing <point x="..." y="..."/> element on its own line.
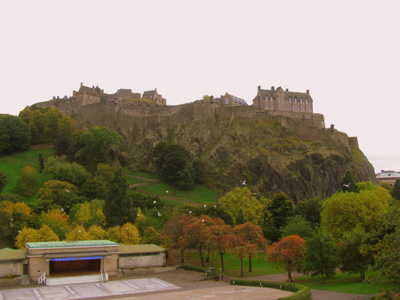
<point x="301" y="292"/>
<point x="188" y="267"/>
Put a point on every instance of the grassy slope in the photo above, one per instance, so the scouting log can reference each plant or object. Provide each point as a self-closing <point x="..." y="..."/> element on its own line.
<point x="345" y="283"/>
<point x="11" y="165"/>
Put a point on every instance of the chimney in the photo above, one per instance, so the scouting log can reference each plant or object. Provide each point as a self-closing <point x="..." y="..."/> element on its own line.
<point x="272" y="88"/>
<point x="287" y="90"/>
<point x="81" y="83"/>
<point x="308" y="92"/>
<point x="259" y="87"/>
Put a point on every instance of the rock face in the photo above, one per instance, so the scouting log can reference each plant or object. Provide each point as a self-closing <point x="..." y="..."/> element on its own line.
<point x="292" y="153"/>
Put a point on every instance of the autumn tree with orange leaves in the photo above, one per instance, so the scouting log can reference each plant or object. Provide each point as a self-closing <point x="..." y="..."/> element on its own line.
<point x="288" y="251"/>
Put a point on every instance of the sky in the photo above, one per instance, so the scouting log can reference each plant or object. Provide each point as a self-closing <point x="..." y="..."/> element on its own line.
<point x="347" y="53"/>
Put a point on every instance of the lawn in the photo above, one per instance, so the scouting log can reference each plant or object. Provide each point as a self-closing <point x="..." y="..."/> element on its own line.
<point x="345" y="283"/>
<point x="232" y="264"/>
<point x="11" y="165"/>
<point x="199" y="194"/>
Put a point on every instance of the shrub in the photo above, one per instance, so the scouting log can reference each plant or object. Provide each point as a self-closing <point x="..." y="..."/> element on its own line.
<point x="193" y="268"/>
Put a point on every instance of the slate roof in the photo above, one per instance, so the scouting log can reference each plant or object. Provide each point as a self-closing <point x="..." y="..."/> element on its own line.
<point x="149" y="93"/>
<point x="70" y="244"/>
<point x="291" y="94"/>
<point x="145" y="248"/>
<point x="88" y="90"/>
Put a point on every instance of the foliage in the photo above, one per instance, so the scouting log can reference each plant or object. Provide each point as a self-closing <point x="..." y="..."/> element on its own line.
<point x="221" y="238"/>
<point x="150" y="236"/>
<point x="289" y="251"/>
<point x="3" y="180"/>
<point x="387" y="261"/>
<point x="311" y="210"/>
<point x="342" y="212"/>
<point x="241" y="199"/>
<point x="297" y="225"/>
<point x="199" y="171"/>
<point x="114" y="234"/>
<point x="189" y="267"/>
<point x="14" y="134"/>
<point x="300" y="292"/>
<point x="94" y="146"/>
<point x="57" y="220"/>
<point x="26" y="235"/>
<point x="64" y="137"/>
<point x="320" y="254"/>
<point x="65" y="171"/>
<point x="28" y="182"/>
<point x="13" y="217"/>
<point x="130" y="234"/>
<point x="281" y="208"/>
<point x="185" y="178"/>
<point x="396" y="190"/>
<point x="61" y="193"/>
<point x="78" y="233"/>
<point x="348" y="184"/>
<point x="46" y="234"/>
<point x="96" y="232"/>
<point x="118" y="208"/>
<point x="88" y="213"/>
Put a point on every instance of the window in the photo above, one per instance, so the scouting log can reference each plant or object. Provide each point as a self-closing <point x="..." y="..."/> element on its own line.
<point x="306" y="101"/>
<point x="227" y="100"/>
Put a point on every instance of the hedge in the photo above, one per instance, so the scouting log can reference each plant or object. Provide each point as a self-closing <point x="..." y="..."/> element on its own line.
<point x="193" y="268"/>
<point x="301" y="292"/>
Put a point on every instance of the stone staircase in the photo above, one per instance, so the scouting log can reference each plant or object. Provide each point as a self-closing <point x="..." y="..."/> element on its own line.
<point x="73" y="279"/>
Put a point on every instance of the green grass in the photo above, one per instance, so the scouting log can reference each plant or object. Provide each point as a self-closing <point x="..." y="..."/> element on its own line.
<point x="232" y="264"/>
<point x="199" y="194"/>
<point x="345" y="283"/>
<point x="11" y="165"/>
<point x="146" y="175"/>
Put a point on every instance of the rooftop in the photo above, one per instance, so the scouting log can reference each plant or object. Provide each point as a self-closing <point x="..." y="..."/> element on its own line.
<point x="69" y="244"/>
<point x="145" y="248"/>
<point x="12" y="254"/>
<point x="391" y="174"/>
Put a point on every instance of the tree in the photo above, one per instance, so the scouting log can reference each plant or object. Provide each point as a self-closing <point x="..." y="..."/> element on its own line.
<point x="221" y="238"/>
<point x="14" y="134"/>
<point x="3" y="181"/>
<point x="297" y="225"/>
<point x="46" y="234"/>
<point x="114" y="234"/>
<point x="78" y="233"/>
<point x="96" y="232"/>
<point x="130" y="234"/>
<point x="57" y="220"/>
<point x="199" y="171"/>
<point x="13" y="217"/>
<point x="95" y="146"/>
<point x="348" y="184"/>
<point x="57" y="191"/>
<point x="241" y="201"/>
<point x="387" y="261"/>
<point x="185" y="178"/>
<point x="396" y="190"/>
<point x="253" y="235"/>
<point x="310" y="210"/>
<point x="65" y="171"/>
<point x="281" y="208"/>
<point x="64" y="137"/>
<point x="150" y="236"/>
<point x="353" y="260"/>
<point x="342" y="212"/>
<point x="321" y="254"/>
<point x="87" y="214"/>
<point x="288" y="251"/>
<point x="118" y="207"/>
<point x="28" y="182"/>
<point x="26" y="235"/>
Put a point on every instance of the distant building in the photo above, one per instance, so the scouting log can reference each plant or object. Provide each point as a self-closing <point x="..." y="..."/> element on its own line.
<point x="231" y="100"/>
<point x="87" y="95"/>
<point x="122" y="94"/>
<point x="388" y="177"/>
<point x="155" y="96"/>
<point x="280" y="100"/>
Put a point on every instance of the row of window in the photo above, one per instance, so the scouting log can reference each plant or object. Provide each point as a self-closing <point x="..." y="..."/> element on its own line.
<point x="294" y="108"/>
<point x="281" y="100"/>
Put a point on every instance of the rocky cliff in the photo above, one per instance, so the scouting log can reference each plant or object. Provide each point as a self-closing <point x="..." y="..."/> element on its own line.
<point x="294" y="154"/>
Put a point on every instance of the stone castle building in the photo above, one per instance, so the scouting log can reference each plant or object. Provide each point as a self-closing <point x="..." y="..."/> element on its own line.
<point x="280" y="100"/>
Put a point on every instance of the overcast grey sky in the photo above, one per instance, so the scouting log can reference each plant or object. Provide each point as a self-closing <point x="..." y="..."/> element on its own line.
<point x="346" y="52"/>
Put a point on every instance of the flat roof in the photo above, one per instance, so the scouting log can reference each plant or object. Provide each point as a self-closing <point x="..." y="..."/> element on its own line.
<point x="144" y="248"/>
<point x="69" y="244"/>
<point x="12" y="254"/>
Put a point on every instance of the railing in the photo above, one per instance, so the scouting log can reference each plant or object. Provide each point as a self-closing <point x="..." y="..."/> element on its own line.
<point x="42" y="279"/>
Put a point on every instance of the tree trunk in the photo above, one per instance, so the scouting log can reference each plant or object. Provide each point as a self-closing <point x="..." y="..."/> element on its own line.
<point x="183" y="255"/>
<point x="290" y="275"/>
<point x="208" y="256"/>
<point x="250" y="264"/>
<point x="221" y="255"/>
<point x="241" y="267"/>
<point x="201" y="257"/>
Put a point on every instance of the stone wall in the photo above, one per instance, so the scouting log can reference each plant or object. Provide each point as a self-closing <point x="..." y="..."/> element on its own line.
<point x="11" y="267"/>
<point x="156" y="260"/>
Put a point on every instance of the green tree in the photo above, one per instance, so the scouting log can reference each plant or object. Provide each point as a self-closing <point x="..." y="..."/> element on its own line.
<point x="130" y="234"/>
<point x="150" y="236"/>
<point x="46" y="234"/>
<point x="28" y="182"/>
<point x="65" y="171"/>
<point x="199" y="171"/>
<point x="348" y="184"/>
<point x="310" y="210"/>
<point x="78" y="233"/>
<point x="343" y="211"/>
<point x="3" y="180"/>
<point x="185" y="178"/>
<point x="64" y="137"/>
<point x="241" y="199"/>
<point x="114" y="234"/>
<point x="96" y="232"/>
<point x="281" y="208"/>
<point x="59" y="192"/>
<point x="95" y="146"/>
<point x="297" y="225"/>
<point x="26" y="235"/>
<point x="14" y="134"/>
<point x="57" y="220"/>
<point x="118" y="208"/>
<point x="321" y="254"/>
<point x="396" y="190"/>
